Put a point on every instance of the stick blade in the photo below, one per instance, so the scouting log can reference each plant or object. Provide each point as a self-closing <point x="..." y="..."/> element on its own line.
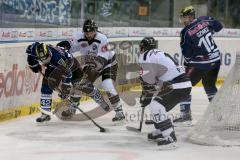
<point x="133" y="129"/>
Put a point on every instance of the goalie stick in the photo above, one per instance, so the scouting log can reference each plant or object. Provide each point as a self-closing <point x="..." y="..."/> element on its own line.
<point x="140" y="125"/>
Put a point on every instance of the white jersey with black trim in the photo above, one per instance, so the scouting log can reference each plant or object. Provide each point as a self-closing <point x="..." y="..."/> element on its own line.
<point x="158" y="67"/>
<point x="80" y="46"/>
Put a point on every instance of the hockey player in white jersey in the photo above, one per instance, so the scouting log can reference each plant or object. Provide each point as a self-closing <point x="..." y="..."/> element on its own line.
<point x="164" y="84"/>
<point x="99" y="61"/>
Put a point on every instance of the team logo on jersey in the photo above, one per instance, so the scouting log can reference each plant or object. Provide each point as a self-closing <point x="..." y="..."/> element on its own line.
<point x="62" y="62"/>
<point x="94" y="47"/>
<point x="83" y="45"/>
<point x="142" y="72"/>
<point x="104" y="48"/>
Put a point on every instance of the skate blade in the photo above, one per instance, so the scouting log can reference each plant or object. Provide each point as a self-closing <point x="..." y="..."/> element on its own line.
<point x="155" y="140"/>
<point x="133" y="129"/>
<point x="45" y="123"/>
<point x="170" y="146"/>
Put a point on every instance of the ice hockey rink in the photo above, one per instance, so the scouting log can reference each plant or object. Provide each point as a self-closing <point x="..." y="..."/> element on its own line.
<point x="23" y="139"/>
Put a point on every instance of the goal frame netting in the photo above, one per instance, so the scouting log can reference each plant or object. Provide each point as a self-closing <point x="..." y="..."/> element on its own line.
<point x="220" y="124"/>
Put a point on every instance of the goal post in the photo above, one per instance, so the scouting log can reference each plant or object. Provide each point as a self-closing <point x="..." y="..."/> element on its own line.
<point x="220" y="124"/>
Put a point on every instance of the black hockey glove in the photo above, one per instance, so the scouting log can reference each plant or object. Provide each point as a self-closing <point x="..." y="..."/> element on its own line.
<point x="148" y="91"/>
<point x="63" y="96"/>
<point x="146" y="98"/>
<point x="36" y="69"/>
<point x="65" y="90"/>
<point x="65" y="44"/>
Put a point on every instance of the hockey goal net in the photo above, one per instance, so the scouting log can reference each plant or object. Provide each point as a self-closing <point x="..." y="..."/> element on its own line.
<point x="220" y="124"/>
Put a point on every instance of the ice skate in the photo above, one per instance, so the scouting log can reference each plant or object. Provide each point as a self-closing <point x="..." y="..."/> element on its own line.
<point x="119" y="118"/>
<point x="185" y="120"/>
<point x="43" y="118"/>
<point x="154" y="135"/>
<point x="168" y="142"/>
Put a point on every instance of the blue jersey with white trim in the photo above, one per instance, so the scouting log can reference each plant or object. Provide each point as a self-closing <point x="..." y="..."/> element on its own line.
<point x="59" y="57"/>
<point x="197" y="44"/>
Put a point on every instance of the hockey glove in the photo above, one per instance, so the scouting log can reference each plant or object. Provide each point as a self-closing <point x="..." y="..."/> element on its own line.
<point x="63" y="96"/>
<point x="166" y="88"/>
<point x="36" y="68"/>
<point x="65" y="90"/>
<point x="146" y="98"/>
<point x="65" y="44"/>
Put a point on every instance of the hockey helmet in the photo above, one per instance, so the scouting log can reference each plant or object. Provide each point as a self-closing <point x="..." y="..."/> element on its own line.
<point x="187" y="11"/>
<point x="42" y="53"/>
<point x="147" y="43"/>
<point x="89" y="26"/>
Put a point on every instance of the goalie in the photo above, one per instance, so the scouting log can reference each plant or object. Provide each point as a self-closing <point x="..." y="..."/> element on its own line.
<point x="61" y="72"/>
<point x="163" y="77"/>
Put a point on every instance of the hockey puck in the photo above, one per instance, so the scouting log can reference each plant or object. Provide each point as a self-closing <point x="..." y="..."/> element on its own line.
<point x="102" y="130"/>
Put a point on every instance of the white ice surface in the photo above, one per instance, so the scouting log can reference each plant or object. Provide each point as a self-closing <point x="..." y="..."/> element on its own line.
<point x="23" y="139"/>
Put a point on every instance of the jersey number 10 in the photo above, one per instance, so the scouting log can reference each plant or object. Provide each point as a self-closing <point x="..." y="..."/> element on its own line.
<point x="207" y="41"/>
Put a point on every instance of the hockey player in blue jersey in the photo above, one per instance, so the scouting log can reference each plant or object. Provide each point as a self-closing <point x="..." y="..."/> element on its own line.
<point x="62" y="72"/>
<point x="201" y="55"/>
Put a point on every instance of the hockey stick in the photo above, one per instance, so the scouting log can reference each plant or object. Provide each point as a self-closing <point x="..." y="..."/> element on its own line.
<point x="140" y="125"/>
<point x="85" y="114"/>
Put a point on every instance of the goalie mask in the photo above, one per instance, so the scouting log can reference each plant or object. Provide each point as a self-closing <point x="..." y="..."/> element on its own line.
<point x="42" y="53"/>
<point x="147" y="43"/>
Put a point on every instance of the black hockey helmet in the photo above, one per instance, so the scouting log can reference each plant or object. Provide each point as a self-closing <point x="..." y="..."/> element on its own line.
<point x="89" y="25"/>
<point x="147" y="43"/>
<point x="42" y="53"/>
<point x="187" y="11"/>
